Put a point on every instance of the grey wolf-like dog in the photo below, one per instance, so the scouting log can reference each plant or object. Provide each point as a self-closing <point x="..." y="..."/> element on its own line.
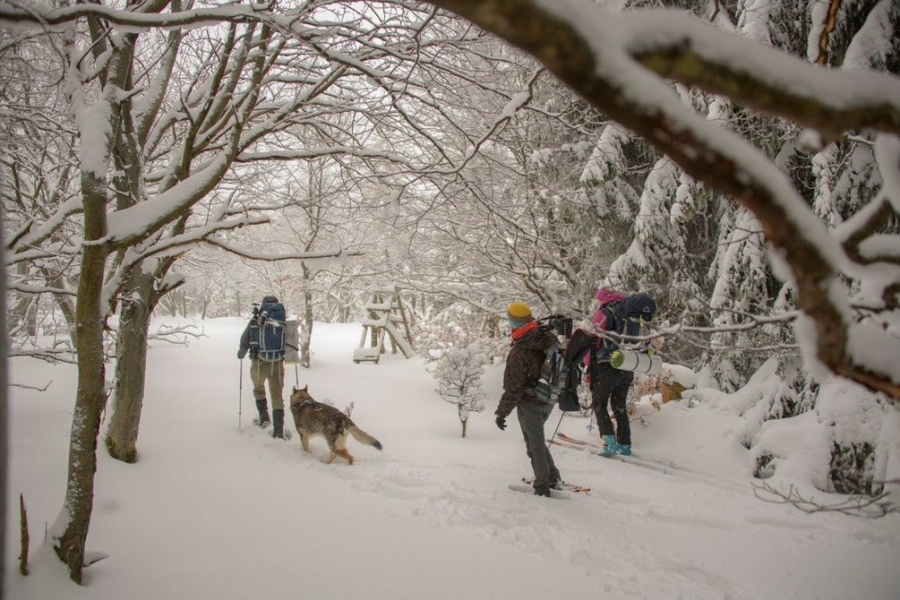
<point x="314" y="418"/>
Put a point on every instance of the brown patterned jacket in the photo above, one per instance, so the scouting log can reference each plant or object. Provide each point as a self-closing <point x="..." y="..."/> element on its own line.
<point x="523" y="369"/>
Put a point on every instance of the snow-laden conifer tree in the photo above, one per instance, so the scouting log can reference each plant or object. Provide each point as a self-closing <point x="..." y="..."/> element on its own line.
<point x="604" y="176"/>
<point x="741" y="289"/>
<point x="607" y="182"/>
<point x="652" y="260"/>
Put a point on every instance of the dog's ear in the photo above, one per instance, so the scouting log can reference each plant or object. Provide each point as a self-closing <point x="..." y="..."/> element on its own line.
<point x="294" y="389"/>
<point x="305" y="387"/>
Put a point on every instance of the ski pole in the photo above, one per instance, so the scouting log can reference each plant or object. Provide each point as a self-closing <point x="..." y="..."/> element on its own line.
<point x="552" y="437"/>
<point x="240" y="391"/>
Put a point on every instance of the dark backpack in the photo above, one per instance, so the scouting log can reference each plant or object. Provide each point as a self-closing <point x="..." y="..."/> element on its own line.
<point x="627" y="319"/>
<point x="267" y="330"/>
<point x="559" y="381"/>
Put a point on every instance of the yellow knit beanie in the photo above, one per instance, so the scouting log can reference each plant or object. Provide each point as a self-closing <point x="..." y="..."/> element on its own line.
<point x="518" y="314"/>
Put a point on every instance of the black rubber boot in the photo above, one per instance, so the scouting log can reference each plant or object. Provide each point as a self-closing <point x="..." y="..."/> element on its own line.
<point x="278" y="423"/>
<point x="263" y="409"/>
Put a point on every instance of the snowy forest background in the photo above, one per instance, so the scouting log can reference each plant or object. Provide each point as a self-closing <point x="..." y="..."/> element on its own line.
<point x="188" y="166"/>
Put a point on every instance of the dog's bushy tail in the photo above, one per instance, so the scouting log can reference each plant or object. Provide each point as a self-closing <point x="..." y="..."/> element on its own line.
<point x="362" y="437"/>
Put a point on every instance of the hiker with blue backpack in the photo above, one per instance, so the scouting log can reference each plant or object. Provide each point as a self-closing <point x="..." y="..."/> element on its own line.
<point x="621" y="321"/>
<point x="264" y="339"/>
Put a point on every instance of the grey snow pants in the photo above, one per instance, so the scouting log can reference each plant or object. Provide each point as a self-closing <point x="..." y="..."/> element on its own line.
<point x="531" y="419"/>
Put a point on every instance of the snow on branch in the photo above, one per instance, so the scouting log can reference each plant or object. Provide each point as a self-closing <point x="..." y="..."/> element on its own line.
<point x="330" y="254"/>
<point x="871" y="507"/>
<point x="178" y="335"/>
<point x="624" y="65"/>
<point x="177" y="243"/>
<point x="127" y="227"/>
<point x="310" y="153"/>
<point x="48" y="16"/>
<point x="52" y="356"/>
<point x="37" y="289"/>
<point x="696" y="53"/>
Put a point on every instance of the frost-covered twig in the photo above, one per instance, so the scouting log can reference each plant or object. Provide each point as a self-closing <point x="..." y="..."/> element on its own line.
<point x="51" y="356"/>
<point x="856" y="505"/>
<point x="168" y="334"/>
<point x="32" y="387"/>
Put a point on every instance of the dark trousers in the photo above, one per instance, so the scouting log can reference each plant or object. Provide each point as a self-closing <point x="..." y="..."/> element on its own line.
<point x="610" y="386"/>
<point x="531" y="419"/>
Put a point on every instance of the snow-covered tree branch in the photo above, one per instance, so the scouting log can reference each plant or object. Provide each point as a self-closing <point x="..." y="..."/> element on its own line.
<point x="622" y="65"/>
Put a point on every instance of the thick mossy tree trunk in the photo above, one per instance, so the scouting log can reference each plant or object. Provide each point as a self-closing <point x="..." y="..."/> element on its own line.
<point x="71" y="528"/>
<point x="145" y="288"/>
<point x="131" y="367"/>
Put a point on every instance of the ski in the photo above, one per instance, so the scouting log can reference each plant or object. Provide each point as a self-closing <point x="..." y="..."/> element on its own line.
<point x="601" y="448"/>
<point x="626" y="457"/>
<point x="562" y="486"/>
<point x="522" y="488"/>
<point x="667" y="469"/>
<point x="593" y="449"/>
<point x="572" y="440"/>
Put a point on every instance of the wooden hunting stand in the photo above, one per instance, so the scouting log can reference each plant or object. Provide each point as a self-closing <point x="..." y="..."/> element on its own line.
<point x="386" y="318"/>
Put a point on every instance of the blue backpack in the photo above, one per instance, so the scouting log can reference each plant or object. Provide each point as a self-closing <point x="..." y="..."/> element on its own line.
<point x="267" y="332"/>
<point x="627" y="318"/>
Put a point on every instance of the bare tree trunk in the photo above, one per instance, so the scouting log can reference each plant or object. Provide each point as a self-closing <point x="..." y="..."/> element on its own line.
<point x="73" y="522"/>
<point x="307" y="327"/>
<point x="23" y="536"/>
<point x="64" y="303"/>
<point x="23" y="314"/>
<point x="204" y="302"/>
<point x="131" y="367"/>
<point x="143" y="294"/>
<point x="3" y="418"/>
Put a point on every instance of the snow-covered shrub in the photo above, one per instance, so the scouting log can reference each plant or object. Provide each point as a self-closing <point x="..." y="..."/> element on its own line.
<point x="852" y="468"/>
<point x="456" y="327"/>
<point x="810" y="437"/>
<point x="864" y="440"/>
<point x="458" y="373"/>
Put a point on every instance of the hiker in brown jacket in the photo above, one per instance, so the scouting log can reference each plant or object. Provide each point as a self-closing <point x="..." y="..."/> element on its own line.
<point x="523" y="369"/>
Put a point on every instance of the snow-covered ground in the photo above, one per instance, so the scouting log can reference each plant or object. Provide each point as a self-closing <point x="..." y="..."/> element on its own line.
<point x="216" y="509"/>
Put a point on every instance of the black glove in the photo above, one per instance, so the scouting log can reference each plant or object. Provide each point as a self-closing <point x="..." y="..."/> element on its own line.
<point x="241" y="354"/>
<point x="501" y="422"/>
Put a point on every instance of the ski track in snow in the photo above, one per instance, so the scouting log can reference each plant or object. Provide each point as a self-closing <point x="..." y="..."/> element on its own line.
<point x="442" y="495"/>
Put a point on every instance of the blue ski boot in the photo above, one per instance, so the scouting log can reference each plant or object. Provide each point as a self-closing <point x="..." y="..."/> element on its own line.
<point x="611" y="446"/>
<point x="625" y="450"/>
